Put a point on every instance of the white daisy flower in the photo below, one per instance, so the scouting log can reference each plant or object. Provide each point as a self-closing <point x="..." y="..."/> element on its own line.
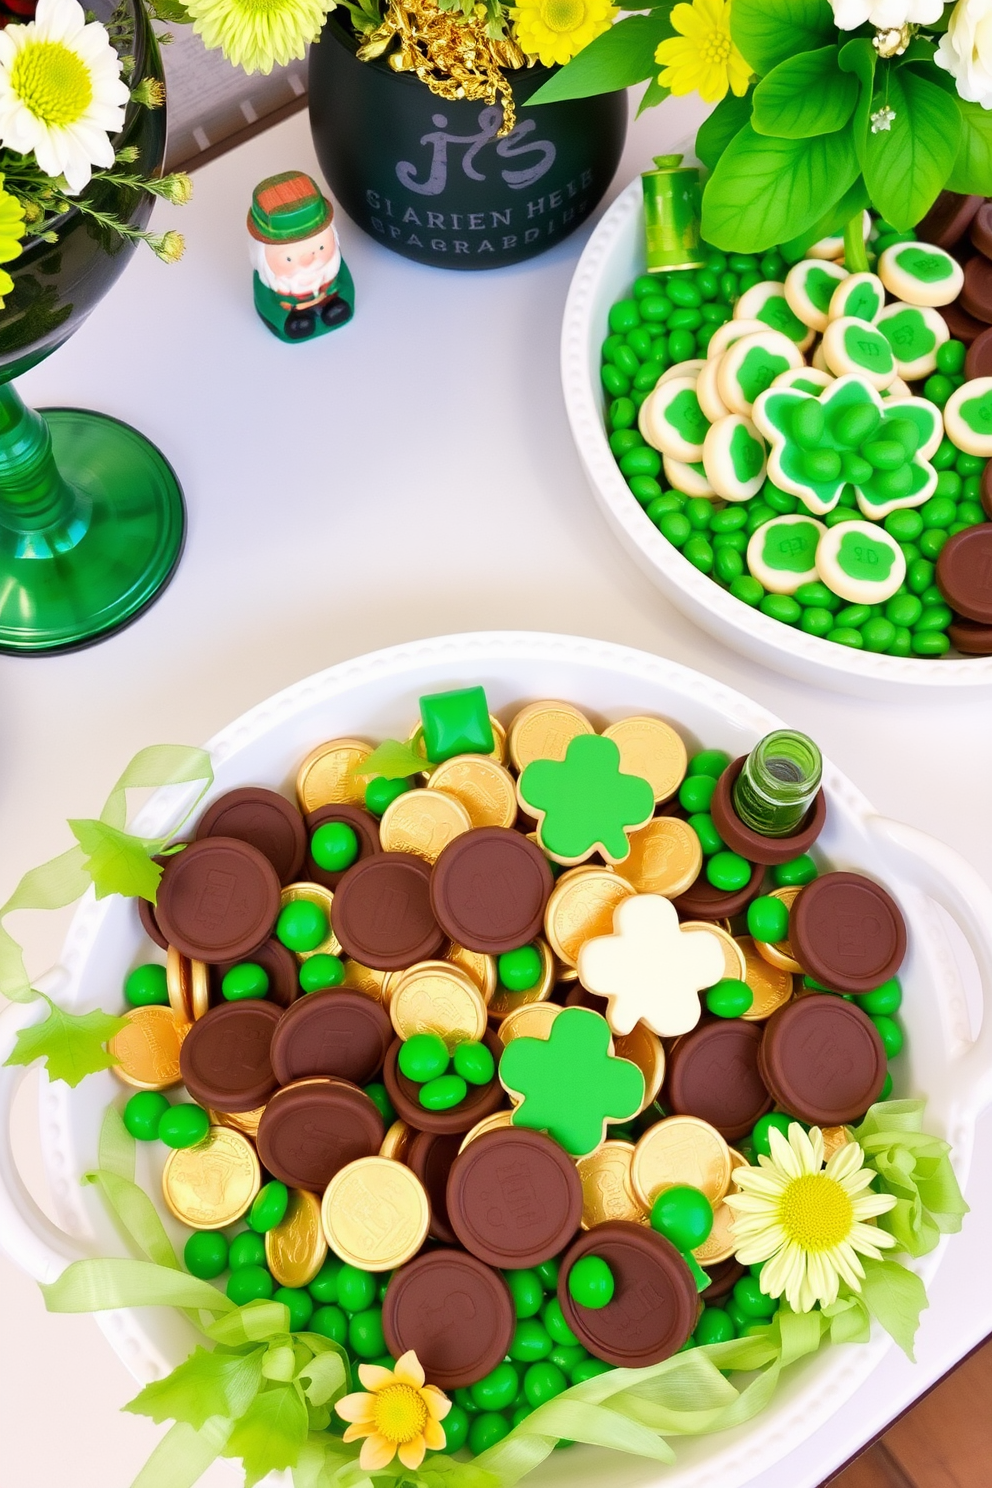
<point x="61" y="93"/>
<point x="807" y="1221"/>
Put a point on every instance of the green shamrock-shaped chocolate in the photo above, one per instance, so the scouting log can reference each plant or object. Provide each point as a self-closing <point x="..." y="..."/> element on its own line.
<point x="585" y="803"/>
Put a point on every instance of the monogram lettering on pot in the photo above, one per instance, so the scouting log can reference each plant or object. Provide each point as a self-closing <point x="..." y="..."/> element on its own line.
<point x="516" y="146"/>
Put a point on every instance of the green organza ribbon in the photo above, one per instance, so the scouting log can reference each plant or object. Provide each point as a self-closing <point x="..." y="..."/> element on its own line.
<point x="916" y="1168"/>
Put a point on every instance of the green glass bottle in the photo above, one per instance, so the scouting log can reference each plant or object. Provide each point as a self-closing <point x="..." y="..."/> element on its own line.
<point x="778" y="782"/>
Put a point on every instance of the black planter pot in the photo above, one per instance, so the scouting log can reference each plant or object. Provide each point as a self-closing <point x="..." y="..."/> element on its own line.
<point x="429" y="179"/>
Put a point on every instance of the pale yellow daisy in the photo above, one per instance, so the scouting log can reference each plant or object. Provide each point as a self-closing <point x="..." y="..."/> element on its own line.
<point x="554" y="30"/>
<point x="807" y="1221"/>
<point x="396" y="1413"/>
<point x="255" y="34"/>
<point x="702" y="58"/>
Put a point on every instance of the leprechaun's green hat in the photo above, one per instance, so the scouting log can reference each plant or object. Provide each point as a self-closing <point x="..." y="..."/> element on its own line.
<point x="288" y="208"/>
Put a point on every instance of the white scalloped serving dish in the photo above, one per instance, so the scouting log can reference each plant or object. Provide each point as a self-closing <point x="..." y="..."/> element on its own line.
<point x="612" y="260"/>
<point x="377" y="696"/>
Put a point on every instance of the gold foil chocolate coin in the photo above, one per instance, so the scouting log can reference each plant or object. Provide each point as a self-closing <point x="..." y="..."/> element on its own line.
<point x="199" y="988"/>
<point x="580" y="907"/>
<point x="665" y="857"/>
<point x="651" y="748"/>
<point x="179" y="984"/>
<point x="533" y="1020"/>
<point x="680" y="1149"/>
<point x="359" y="978"/>
<point x="147" y="1050"/>
<point x="395" y="1142"/>
<point x="771" y="985"/>
<point x="544" y="731"/>
<point x="422" y="822"/>
<point x="214" y="1183"/>
<point x="327" y="775"/>
<point x="497" y="1122"/>
<point x="375" y="1214"/>
<point x="296" y="1249"/>
<point x="720" y="1243"/>
<point x="484" y="787"/>
<point x="734" y="965"/>
<point x="437" y="997"/>
<point x="504" y="1002"/>
<point x="607" y="1190"/>
<point x="644" y="1049"/>
<point x="317" y="894"/>
<point x="780" y="953"/>
<point x="242" y="1121"/>
<point x="480" y="967"/>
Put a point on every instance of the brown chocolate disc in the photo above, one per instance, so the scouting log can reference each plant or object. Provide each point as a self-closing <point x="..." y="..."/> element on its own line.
<point x="823" y="1060"/>
<point x="489" y="889"/>
<point x="723" y="1277"/>
<point x="514" y="1198"/>
<point x="847" y="932"/>
<point x="703" y="902"/>
<point x="224" y="1059"/>
<point x="976" y="296"/>
<point x="712" y="1073"/>
<point x="480" y="1101"/>
<point x="654" y="1304"/>
<point x="978" y="362"/>
<point x="382" y="912"/>
<point x="948" y="219"/>
<point x="970" y="638"/>
<point x="455" y="1313"/>
<point x="752" y="845"/>
<point x="279" y="964"/>
<point x="265" y="819"/>
<point x="986" y="490"/>
<point x="218" y="900"/>
<point x="578" y="996"/>
<point x="312" y="1129"/>
<point x="146" y="914"/>
<point x="964" y="573"/>
<point x="962" y="326"/>
<point x="430" y="1155"/>
<point x="337" y="1032"/>
<point x="362" y="823"/>
<point x="980" y="223"/>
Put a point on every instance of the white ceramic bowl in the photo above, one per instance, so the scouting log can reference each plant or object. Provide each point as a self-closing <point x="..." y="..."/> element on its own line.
<point x="613" y="258"/>
<point x="376" y="696"/>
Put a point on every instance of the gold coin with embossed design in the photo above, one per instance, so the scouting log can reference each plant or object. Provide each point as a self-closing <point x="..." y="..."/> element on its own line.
<point x="296" y="1249"/>
<point x="680" y="1149"/>
<point x="834" y="1138"/>
<point x="532" y="1020"/>
<point x="485" y="788"/>
<point x="375" y="1214"/>
<point x="317" y="894"/>
<point x="719" y="1244"/>
<point x="179" y="984"/>
<point x="437" y="997"/>
<point x="734" y="965"/>
<point x="199" y="988"/>
<point x="651" y="748"/>
<point x="328" y="774"/>
<point x="645" y="1049"/>
<point x="366" y="979"/>
<point x="496" y="1122"/>
<point x="422" y="822"/>
<point x="395" y="1142"/>
<point x="497" y="753"/>
<point x="242" y="1121"/>
<point x="580" y="907"/>
<point x="147" y="1050"/>
<point x="771" y="985"/>
<point x="504" y="1001"/>
<point x="607" y="1190"/>
<point x="214" y="1183"/>
<point x="665" y="857"/>
<point x="480" y="967"/>
<point x="780" y="953"/>
<point x="544" y="731"/>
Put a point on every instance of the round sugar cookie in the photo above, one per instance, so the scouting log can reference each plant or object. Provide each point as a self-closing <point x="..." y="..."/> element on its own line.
<point x="859" y="295"/>
<point x="860" y="562"/>
<point x="833" y="246"/>
<point x="689" y="479"/>
<point x="751" y="365"/>
<point x="806" y="379"/>
<point x="766" y="302"/>
<point x="857" y="346"/>
<point x="809" y="288"/>
<point x="734" y="458"/>
<point x="732" y="330"/>
<point x="818" y="361"/>
<point x="672" y="421"/>
<point x="897" y="391"/>
<point x="691" y="368"/>
<point x="706" y="390"/>
<point x="914" y="332"/>
<point x="782" y="553"/>
<point x="968" y="417"/>
<point x="920" y="274"/>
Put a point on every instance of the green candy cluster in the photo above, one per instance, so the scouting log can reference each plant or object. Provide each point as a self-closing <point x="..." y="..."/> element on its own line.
<point x="424" y="1059"/>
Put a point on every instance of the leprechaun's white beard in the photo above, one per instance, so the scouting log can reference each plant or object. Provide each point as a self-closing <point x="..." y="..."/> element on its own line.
<point x="304" y="282"/>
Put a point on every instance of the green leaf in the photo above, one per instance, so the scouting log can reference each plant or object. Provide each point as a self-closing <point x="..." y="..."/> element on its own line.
<point x="393" y="760"/>
<point x="766" y="190"/>
<point x="831" y="224"/>
<point x="906" y="165"/>
<point x="71" y="1044"/>
<point x="860" y="58"/>
<point x="204" y="1385"/>
<point x="621" y="56"/>
<point x="117" y="862"/>
<point x="972" y="169"/>
<point x="769" y="31"/>
<point x="171" y="11"/>
<point x="270" y="1434"/>
<point x="653" y="94"/>
<point x="325" y="1378"/>
<point x="804" y="96"/>
<point x="895" y="1296"/>
<point x="715" y="133"/>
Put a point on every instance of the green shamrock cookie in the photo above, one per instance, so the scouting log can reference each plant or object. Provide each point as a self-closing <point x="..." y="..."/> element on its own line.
<point x="585" y="803"/>
<point x="570" y="1083"/>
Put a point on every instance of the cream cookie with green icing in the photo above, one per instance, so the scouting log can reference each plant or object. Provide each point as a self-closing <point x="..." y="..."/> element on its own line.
<point x="732" y="330"/>
<point x="860" y="562"/>
<point x="689" y="479"/>
<point x="751" y="365"/>
<point x="781" y="555"/>
<point x="672" y="421"/>
<point x="857" y="346"/>
<point x="734" y="458"/>
<point x="920" y="274"/>
<point x="806" y="379"/>
<point x="691" y="368"/>
<point x="914" y="332"/>
<point x="809" y="288"/>
<point x="860" y="295"/>
<point x="968" y="417"/>
<point x="707" y="392"/>
<point x="766" y="303"/>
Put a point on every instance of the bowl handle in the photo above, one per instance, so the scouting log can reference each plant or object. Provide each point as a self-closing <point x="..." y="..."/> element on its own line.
<point x="26" y="1234"/>
<point x="960" y="890"/>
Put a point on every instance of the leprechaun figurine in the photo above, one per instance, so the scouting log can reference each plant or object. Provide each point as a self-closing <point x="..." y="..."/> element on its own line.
<point x="301" y="282"/>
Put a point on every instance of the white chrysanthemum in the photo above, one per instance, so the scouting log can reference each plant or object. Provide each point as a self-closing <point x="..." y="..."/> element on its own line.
<point x="61" y="94"/>
<point x="886" y="15"/>
<point x="806" y="1221"/>
<point x="966" y="51"/>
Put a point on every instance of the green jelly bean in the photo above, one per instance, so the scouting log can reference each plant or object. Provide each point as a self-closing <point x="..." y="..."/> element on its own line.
<point x="854" y="468"/>
<point x="713" y="1326"/>
<point x="729" y="998"/>
<point x="708" y="283"/>
<point x="742" y="263"/>
<point x="622" y="414"/>
<point x="902" y="643"/>
<point x="547" y="1273"/>
<point x="365" y="1336"/>
<point x="883" y="454"/>
<point x="856" y="424"/>
<point x="685" y="320"/>
<point x="878" y="634"/>
<point x="682" y="292"/>
<point x="818" y="595"/>
<point x="641" y="461"/>
<point x="716" y="314"/>
<point x="890" y="1033"/>
<point x="644" y="488"/>
<point x="302" y="925"/>
<point x="728" y="871"/>
<point x="455" y="1429"/>
<point x="531" y="1341"/>
<point x="729" y="287"/>
<point x="684" y="1215"/>
<point x="948" y="488"/>
<point x="904" y="609"/>
<point x="801" y="870"/>
<point x="659" y="351"/>
<point x="146" y="986"/>
<point x="380" y="793"/>
<point x="696" y="792"/>
<point x="205" y="1252"/>
<point x="886" y="1089"/>
<point x="317" y="973"/>
<point x="443" y="1094"/>
<point x="700" y="512"/>
<point x="591" y="1283"/>
<point x="816" y="622"/>
<point x="699" y="552"/>
<point x="463" y="1398"/>
<point x="621" y="440"/>
<point x="748" y="591"/>
<point x="905" y="525"/>
<point x="767" y="918"/>
<point x="764" y="1125"/>
<point x="527" y="1292"/>
<point x="250" y="1284"/>
<point x="486" y="1429"/>
<point x="939" y="511"/>
<point x="330" y="1322"/>
<point x="894" y="484"/>
<point x="931" y="643"/>
<point x="615" y="383"/>
<point x="543" y="1382"/>
<point x="838" y="515"/>
<point x="639" y="342"/>
<point x="379" y="1096"/>
<point x="568" y="1357"/>
<point x="143" y="1114"/>
<point x="709" y="838"/>
<point x="730" y="519"/>
<point x="932" y="542"/>
<point x="938" y="389"/>
<point x="936" y="616"/>
<point x="748" y="281"/>
<point x="646" y="379"/>
<point x="474" y="1063"/>
<point x="758" y="515"/>
<point x="656" y="308"/>
<point x="300" y="1305"/>
<point x="808" y="424"/>
<point x="751" y="1300"/>
<point x="183" y="1125"/>
<point x="246" y="980"/>
<point x="324" y="1287"/>
<point x="624" y="316"/>
<point x="970" y="513"/>
<point x="737" y="541"/>
<point x="247" y="1250"/>
<point x="554" y="1321"/>
<point x="269" y="1208"/>
<point x="646" y="285"/>
<point x="497" y="1389"/>
<point x="423" y="1057"/>
<point x="853" y="616"/>
<point x="356" y="1289"/>
<point x="728" y="565"/>
<point x="781" y="607"/>
<point x="950" y="357"/>
<point x="846" y="637"/>
<point x="663" y="506"/>
<point x="779" y="501"/>
<point x="682" y="346"/>
<point x="885" y="999"/>
<point x="334" y="846"/>
<point x="821" y="464"/>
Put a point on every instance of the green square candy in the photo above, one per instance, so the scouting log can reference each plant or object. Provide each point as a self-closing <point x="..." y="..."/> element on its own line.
<point x="456" y="723"/>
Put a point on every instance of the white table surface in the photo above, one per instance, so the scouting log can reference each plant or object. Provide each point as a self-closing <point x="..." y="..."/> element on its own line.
<point x="408" y="476"/>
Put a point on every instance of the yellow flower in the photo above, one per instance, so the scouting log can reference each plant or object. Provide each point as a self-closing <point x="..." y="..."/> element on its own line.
<point x="396" y="1413"/>
<point x="807" y="1221"/>
<point x="703" y="58"/>
<point x="11" y="225"/>
<point x="255" y="34"/>
<point x="168" y="246"/>
<point x="555" y="30"/>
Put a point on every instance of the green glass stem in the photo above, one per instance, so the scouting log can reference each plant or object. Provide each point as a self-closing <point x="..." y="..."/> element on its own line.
<point x="855" y="253"/>
<point x="777" y="783"/>
<point x="40" y="511"/>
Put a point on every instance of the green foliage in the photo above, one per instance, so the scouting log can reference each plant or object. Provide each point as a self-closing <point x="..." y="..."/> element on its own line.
<point x="393" y="760"/>
<point x="117" y="862"/>
<point x="716" y="132"/>
<point x="623" y="55"/>
<point x="831" y="224"/>
<point x="805" y="96"/>
<point x="766" y="190"/>
<point x="271" y="1433"/>
<point x="768" y="32"/>
<point x="208" y="1383"/>
<point x="653" y="94"/>
<point x="72" y="1045"/>
<point x="906" y="165"/>
<point x="173" y="12"/>
<point x="972" y="169"/>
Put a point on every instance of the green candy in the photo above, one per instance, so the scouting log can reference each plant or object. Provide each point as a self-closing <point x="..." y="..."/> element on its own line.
<point x="334" y="846"/>
<point x="543" y="1382"/>
<point x="143" y="1114"/>
<point x="527" y="1292"/>
<point x="589" y="1368"/>
<point x="728" y="871"/>
<point x="455" y="1429"/>
<point x="183" y="1125"/>
<point x="486" y="1430"/>
<point x="356" y="1289"/>
<point x="767" y="919"/>
<point x="324" y="1287"/>
<point x="205" y="1254"/>
<point x="585" y="801"/>
<point x="319" y="972"/>
<point x="713" y="1326"/>
<point x="547" y="1272"/>
<point x="763" y="1126"/>
<point x="709" y="838"/>
<point x="300" y="1306"/>
<point x="752" y="1301"/>
<point x="146" y="986"/>
<point x="497" y="1389"/>
<point x="590" y="1282"/>
<point x="443" y="1093"/>
<point x="520" y="970"/>
<point x="696" y="792"/>
<point x="245" y="980"/>
<point x="801" y="870"/>
<point x="729" y="998"/>
<point x="365" y="1335"/>
<point x="250" y="1284"/>
<point x="684" y="1215"/>
<point x="457" y="722"/>
<point x="423" y="1057"/>
<point x="474" y="1063"/>
<point x="302" y="925"/>
<point x="531" y="1341"/>
<point x="379" y="1096"/>
<point x="711" y="762"/>
<point x="269" y="1208"/>
<point x="247" y="1249"/>
<point x="330" y="1322"/>
<point x="381" y="792"/>
<point x="890" y="1033"/>
<point x="886" y="999"/>
<point x="554" y="1321"/>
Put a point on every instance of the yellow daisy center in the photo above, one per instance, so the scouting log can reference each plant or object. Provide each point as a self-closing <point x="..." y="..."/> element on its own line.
<point x="400" y="1414"/>
<point x="563" y="15"/>
<point x="716" y="48"/>
<point x="815" y="1212"/>
<point x="53" y="82"/>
